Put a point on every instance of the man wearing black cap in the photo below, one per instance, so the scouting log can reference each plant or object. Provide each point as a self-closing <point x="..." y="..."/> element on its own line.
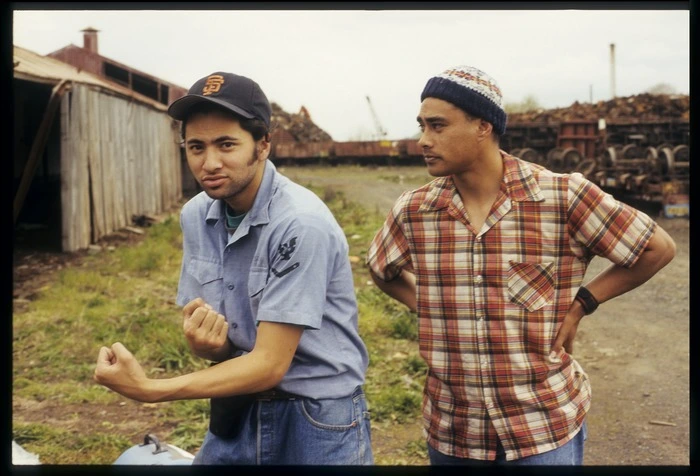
<point x="267" y="295"/>
<point x="492" y="255"/>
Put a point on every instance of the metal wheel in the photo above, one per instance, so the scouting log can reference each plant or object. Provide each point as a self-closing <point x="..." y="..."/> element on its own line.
<point x="571" y="157"/>
<point x="632" y="151"/>
<point x="667" y="161"/>
<point x="531" y="155"/>
<point x="554" y="159"/>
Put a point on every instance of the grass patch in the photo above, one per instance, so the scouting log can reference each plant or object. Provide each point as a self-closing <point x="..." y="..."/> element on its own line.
<point x="128" y="295"/>
<point x="59" y="446"/>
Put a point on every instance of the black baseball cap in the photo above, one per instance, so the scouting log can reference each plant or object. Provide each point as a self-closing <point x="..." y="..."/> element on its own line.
<point x="238" y="94"/>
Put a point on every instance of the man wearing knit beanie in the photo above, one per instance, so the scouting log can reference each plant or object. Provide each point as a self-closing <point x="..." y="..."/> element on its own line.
<point x="472" y="90"/>
<point x="491" y="255"/>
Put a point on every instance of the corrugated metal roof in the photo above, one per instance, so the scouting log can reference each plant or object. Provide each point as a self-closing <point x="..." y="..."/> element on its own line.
<point x="34" y="67"/>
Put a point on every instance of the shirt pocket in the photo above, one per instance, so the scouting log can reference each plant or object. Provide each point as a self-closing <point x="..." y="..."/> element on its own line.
<point x="531" y="285"/>
<point x="257" y="280"/>
<point x="209" y="277"/>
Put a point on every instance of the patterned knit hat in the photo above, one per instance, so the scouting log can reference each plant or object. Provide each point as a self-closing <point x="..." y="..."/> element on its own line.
<point x="472" y="90"/>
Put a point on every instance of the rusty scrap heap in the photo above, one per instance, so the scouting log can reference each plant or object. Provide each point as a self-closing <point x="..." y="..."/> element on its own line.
<point x="641" y="107"/>
<point x="642" y="149"/>
<point x="299" y="125"/>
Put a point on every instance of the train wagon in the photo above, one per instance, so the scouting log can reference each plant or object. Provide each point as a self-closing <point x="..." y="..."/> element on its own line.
<point x="302" y="153"/>
<point x="382" y="152"/>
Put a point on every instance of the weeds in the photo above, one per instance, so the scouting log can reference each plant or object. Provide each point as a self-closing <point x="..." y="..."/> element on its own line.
<point x="128" y="295"/>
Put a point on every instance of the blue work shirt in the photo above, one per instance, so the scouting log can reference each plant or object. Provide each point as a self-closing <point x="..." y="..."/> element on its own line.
<point x="286" y="262"/>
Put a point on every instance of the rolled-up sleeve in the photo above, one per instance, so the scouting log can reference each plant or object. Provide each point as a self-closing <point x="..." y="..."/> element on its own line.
<point x="606" y="226"/>
<point x="389" y="251"/>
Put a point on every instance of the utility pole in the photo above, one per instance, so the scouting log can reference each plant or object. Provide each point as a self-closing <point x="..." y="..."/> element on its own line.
<point x="377" y="125"/>
<point x="612" y="70"/>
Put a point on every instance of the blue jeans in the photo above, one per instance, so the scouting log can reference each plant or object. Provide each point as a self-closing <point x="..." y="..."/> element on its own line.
<point x="302" y="431"/>
<point x="570" y="454"/>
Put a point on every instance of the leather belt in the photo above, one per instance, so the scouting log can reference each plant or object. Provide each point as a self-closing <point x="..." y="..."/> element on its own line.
<point x="275" y="394"/>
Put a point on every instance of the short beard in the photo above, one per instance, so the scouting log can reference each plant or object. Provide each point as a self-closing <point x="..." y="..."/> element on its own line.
<point x="254" y="157"/>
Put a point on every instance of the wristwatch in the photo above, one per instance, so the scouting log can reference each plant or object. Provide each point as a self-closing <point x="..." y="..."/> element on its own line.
<point x="587" y="300"/>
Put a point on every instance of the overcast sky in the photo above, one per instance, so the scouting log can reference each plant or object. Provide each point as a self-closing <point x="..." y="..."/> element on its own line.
<point x="330" y="60"/>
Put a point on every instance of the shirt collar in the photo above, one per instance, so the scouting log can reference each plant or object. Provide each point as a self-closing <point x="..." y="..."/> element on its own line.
<point x="518" y="183"/>
<point x="519" y="180"/>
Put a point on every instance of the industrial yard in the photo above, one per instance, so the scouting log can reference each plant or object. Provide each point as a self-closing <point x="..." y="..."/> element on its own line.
<point x="635" y="147"/>
<point x="635" y="349"/>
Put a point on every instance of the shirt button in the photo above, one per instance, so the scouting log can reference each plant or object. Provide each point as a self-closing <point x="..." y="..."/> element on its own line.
<point x="478" y="238"/>
<point x="478" y="279"/>
<point x="231" y="286"/>
<point x="234" y="325"/>
<point x="484" y="364"/>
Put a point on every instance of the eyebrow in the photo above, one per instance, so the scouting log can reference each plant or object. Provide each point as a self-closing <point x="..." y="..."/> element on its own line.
<point x="430" y="119"/>
<point x="218" y="140"/>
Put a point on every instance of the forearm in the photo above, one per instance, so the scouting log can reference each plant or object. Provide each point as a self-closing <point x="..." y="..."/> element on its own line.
<point x="242" y="375"/>
<point x="261" y="369"/>
<point x="617" y="280"/>
<point x="402" y="288"/>
<point x="614" y="281"/>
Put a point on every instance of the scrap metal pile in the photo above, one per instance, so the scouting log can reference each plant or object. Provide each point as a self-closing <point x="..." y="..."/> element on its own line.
<point x="642" y="107"/>
<point x="296" y="127"/>
<point x="638" y="145"/>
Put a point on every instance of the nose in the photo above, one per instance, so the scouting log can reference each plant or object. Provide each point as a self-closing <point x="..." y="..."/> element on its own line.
<point x="212" y="161"/>
<point x="424" y="140"/>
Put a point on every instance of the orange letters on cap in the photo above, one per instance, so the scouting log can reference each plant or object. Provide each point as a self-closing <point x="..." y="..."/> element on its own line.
<point x="213" y="84"/>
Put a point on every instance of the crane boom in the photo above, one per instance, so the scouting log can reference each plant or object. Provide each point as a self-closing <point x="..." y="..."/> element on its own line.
<point x="377" y="125"/>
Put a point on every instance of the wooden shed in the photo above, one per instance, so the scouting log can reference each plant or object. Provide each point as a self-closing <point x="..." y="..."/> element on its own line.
<point x="90" y="155"/>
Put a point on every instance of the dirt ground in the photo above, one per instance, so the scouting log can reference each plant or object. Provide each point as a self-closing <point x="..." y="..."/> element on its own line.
<point x="635" y="348"/>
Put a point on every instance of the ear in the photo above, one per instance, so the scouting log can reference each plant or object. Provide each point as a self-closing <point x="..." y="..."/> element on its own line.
<point x="484" y="130"/>
<point x="264" y="147"/>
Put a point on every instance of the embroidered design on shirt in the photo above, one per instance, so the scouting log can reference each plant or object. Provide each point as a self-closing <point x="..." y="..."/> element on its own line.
<point x="288" y="270"/>
<point x="285" y="250"/>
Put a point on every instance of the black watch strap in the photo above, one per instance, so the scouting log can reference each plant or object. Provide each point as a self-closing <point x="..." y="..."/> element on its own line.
<point x="587" y="300"/>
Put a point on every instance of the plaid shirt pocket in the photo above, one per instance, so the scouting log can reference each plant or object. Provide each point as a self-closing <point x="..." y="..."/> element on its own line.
<point x="531" y="285"/>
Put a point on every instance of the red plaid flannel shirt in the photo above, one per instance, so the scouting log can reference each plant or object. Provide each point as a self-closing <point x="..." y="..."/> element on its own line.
<point x="490" y="303"/>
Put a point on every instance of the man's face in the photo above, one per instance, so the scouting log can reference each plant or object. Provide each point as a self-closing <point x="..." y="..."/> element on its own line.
<point x="224" y="158"/>
<point x="450" y="139"/>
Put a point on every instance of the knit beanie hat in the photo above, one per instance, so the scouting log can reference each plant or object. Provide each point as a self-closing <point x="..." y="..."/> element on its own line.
<point x="472" y="90"/>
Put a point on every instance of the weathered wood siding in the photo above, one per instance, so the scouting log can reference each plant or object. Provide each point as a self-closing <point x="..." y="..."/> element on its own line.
<point x="119" y="158"/>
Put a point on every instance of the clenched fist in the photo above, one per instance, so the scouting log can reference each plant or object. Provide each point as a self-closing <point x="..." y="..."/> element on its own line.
<point x="205" y="329"/>
<point x="118" y="370"/>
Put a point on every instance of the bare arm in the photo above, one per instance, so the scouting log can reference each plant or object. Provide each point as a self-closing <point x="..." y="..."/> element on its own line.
<point x="402" y="288"/>
<point x="617" y="280"/>
<point x="261" y="369"/>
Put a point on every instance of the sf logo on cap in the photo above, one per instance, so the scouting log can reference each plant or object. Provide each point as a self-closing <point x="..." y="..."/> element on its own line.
<point x="213" y="84"/>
